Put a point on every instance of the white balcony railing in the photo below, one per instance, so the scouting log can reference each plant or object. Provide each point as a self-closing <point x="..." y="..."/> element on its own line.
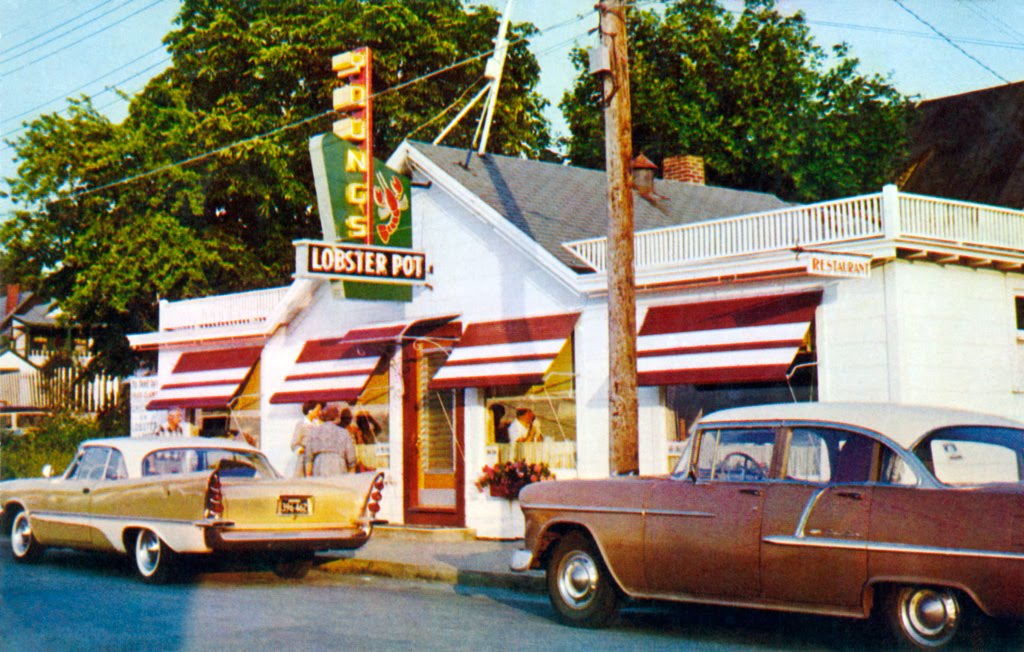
<point x="227" y="310"/>
<point x="888" y="214"/>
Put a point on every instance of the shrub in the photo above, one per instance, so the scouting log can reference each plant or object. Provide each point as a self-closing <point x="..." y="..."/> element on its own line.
<point x="54" y="443"/>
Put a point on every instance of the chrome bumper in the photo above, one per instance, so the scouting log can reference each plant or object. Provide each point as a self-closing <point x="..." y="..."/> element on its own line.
<point x="521" y="560"/>
<point x="219" y="537"/>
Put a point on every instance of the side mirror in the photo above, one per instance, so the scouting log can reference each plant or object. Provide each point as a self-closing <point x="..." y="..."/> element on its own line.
<point x="47" y="471"/>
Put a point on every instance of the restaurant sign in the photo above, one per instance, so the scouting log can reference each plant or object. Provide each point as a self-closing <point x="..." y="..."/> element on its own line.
<point x="359" y="262"/>
<point x="365" y="206"/>
<point x="838" y="265"/>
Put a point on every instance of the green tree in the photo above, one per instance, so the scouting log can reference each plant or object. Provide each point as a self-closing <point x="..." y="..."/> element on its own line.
<point x="753" y="94"/>
<point x="112" y="221"/>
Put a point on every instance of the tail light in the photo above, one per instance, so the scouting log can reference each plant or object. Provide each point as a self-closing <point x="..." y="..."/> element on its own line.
<point x="214" y="497"/>
<point x="373" y="503"/>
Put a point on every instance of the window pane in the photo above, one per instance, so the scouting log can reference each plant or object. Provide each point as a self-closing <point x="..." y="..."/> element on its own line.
<point x="967" y="455"/>
<point x="736" y="455"/>
<point x="894" y="470"/>
<point x="116" y="469"/>
<point x="825" y="455"/>
<point x="93" y="463"/>
<point x="527" y="423"/>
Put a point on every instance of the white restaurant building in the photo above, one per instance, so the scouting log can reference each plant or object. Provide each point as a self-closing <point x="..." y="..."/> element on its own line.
<point x="741" y="299"/>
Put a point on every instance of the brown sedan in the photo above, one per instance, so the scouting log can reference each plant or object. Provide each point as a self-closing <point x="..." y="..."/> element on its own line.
<point x="914" y="514"/>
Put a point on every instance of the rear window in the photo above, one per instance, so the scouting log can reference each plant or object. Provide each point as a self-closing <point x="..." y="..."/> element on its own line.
<point x="974" y="455"/>
<point x="234" y="463"/>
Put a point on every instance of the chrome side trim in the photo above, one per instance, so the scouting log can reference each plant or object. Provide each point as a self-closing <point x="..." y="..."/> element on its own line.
<point x="81" y="518"/>
<point x="806" y="515"/>
<point x="620" y="510"/>
<point x="901" y="548"/>
<point x="587" y="510"/>
<point x="672" y="512"/>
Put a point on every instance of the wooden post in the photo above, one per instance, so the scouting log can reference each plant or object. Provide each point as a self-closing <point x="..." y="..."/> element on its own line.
<point x="622" y="381"/>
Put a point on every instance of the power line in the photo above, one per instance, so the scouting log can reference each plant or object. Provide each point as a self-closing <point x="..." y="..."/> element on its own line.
<point x="108" y="89"/>
<point x="63" y="34"/>
<point x="293" y="125"/>
<point x="55" y="27"/>
<point x="83" y="86"/>
<point x="989" y="17"/>
<point x="950" y="41"/>
<point x="84" y="38"/>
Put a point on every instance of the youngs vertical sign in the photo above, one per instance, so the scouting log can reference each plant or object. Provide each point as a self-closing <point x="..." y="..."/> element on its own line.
<point x="365" y="207"/>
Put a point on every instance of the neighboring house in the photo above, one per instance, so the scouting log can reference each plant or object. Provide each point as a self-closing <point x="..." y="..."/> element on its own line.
<point x="741" y="299"/>
<point x="42" y="357"/>
<point x="969" y="147"/>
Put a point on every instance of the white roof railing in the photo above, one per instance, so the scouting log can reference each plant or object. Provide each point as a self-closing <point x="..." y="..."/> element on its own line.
<point x="226" y="310"/>
<point x="888" y="215"/>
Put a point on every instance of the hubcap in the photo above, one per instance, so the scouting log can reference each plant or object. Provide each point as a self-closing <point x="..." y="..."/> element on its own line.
<point x="929" y="616"/>
<point x="147" y="552"/>
<point x="577" y="579"/>
<point x="21" y="535"/>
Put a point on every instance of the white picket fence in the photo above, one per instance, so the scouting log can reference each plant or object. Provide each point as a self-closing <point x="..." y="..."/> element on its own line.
<point x="59" y="388"/>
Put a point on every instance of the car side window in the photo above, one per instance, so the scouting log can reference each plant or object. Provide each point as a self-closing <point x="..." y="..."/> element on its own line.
<point x="830" y="456"/>
<point x="116" y="469"/>
<point x="92" y="463"/>
<point x="735" y="454"/>
<point x="894" y="470"/>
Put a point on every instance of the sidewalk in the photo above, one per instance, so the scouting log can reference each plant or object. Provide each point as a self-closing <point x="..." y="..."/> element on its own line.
<point x="451" y="556"/>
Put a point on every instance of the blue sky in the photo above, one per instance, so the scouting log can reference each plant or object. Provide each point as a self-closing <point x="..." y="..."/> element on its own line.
<point x="50" y="49"/>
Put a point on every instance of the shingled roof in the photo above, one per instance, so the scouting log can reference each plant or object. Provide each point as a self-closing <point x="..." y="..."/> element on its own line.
<point x="554" y="203"/>
<point x="970" y="147"/>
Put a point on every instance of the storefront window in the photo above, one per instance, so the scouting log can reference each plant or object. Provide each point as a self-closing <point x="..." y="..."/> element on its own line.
<point x="370" y="421"/>
<point x="536" y="423"/>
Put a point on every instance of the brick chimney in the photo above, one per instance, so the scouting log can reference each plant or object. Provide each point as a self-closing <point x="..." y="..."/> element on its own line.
<point x="689" y="169"/>
<point x="13" y="292"/>
<point x="643" y="175"/>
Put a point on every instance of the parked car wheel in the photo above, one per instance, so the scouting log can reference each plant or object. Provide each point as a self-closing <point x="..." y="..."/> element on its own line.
<point x="154" y="560"/>
<point x="23" y="543"/>
<point x="926" y="618"/>
<point x="293" y="568"/>
<point x="581" y="589"/>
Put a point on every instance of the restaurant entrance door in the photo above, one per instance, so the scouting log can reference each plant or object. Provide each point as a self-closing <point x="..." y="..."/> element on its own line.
<point x="434" y="461"/>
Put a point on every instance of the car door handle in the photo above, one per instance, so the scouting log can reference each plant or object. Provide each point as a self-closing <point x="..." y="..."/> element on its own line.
<point x="852" y="495"/>
<point x="751" y="492"/>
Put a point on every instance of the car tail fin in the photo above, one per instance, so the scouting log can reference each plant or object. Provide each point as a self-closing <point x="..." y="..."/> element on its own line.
<point x="374" y="496"/>
<point x="214" y="497"/>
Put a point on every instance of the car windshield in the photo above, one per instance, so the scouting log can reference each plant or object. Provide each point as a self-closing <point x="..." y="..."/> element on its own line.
<point x="974" y="455"/>
<point x="233" y="463"/>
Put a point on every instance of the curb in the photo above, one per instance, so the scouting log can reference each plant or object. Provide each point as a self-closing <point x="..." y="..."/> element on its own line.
<point x="532" y="582"/>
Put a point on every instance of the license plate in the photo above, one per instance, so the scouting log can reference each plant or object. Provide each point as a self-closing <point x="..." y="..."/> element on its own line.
<point x="289" y="505"/>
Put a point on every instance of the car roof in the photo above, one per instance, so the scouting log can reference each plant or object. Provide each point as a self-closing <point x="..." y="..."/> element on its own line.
<point x="904" y="424"/>
<point x="141" y="445"/>
<point x="134" y="449"/>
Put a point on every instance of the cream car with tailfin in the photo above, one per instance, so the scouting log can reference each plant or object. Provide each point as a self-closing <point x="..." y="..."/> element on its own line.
<point x="157" y="499"/>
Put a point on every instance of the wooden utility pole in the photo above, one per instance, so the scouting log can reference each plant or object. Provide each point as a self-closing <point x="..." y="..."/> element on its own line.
<point x="622" y="383"/>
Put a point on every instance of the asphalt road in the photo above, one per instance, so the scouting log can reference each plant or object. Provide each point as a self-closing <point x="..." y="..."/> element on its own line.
<point x="79" y="601"/>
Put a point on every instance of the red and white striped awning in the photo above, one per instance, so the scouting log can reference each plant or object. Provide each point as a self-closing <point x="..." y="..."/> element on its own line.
<point x="338" y="368"/>
<point x="206" y="379"/>
<point x="753" y="339"/>
<point x="507" y="352"/>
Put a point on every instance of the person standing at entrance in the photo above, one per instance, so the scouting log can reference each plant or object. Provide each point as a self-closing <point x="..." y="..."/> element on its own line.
<point x="311" y="419"/>
<point x="330" y="446"/>
<point x="175" y="426"/>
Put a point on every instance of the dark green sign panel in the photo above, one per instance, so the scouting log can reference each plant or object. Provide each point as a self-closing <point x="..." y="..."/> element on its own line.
<point x="361" y="201"/>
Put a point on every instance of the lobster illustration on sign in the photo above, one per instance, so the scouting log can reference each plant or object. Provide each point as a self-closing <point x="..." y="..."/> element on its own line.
<point x="390" y="201"/>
